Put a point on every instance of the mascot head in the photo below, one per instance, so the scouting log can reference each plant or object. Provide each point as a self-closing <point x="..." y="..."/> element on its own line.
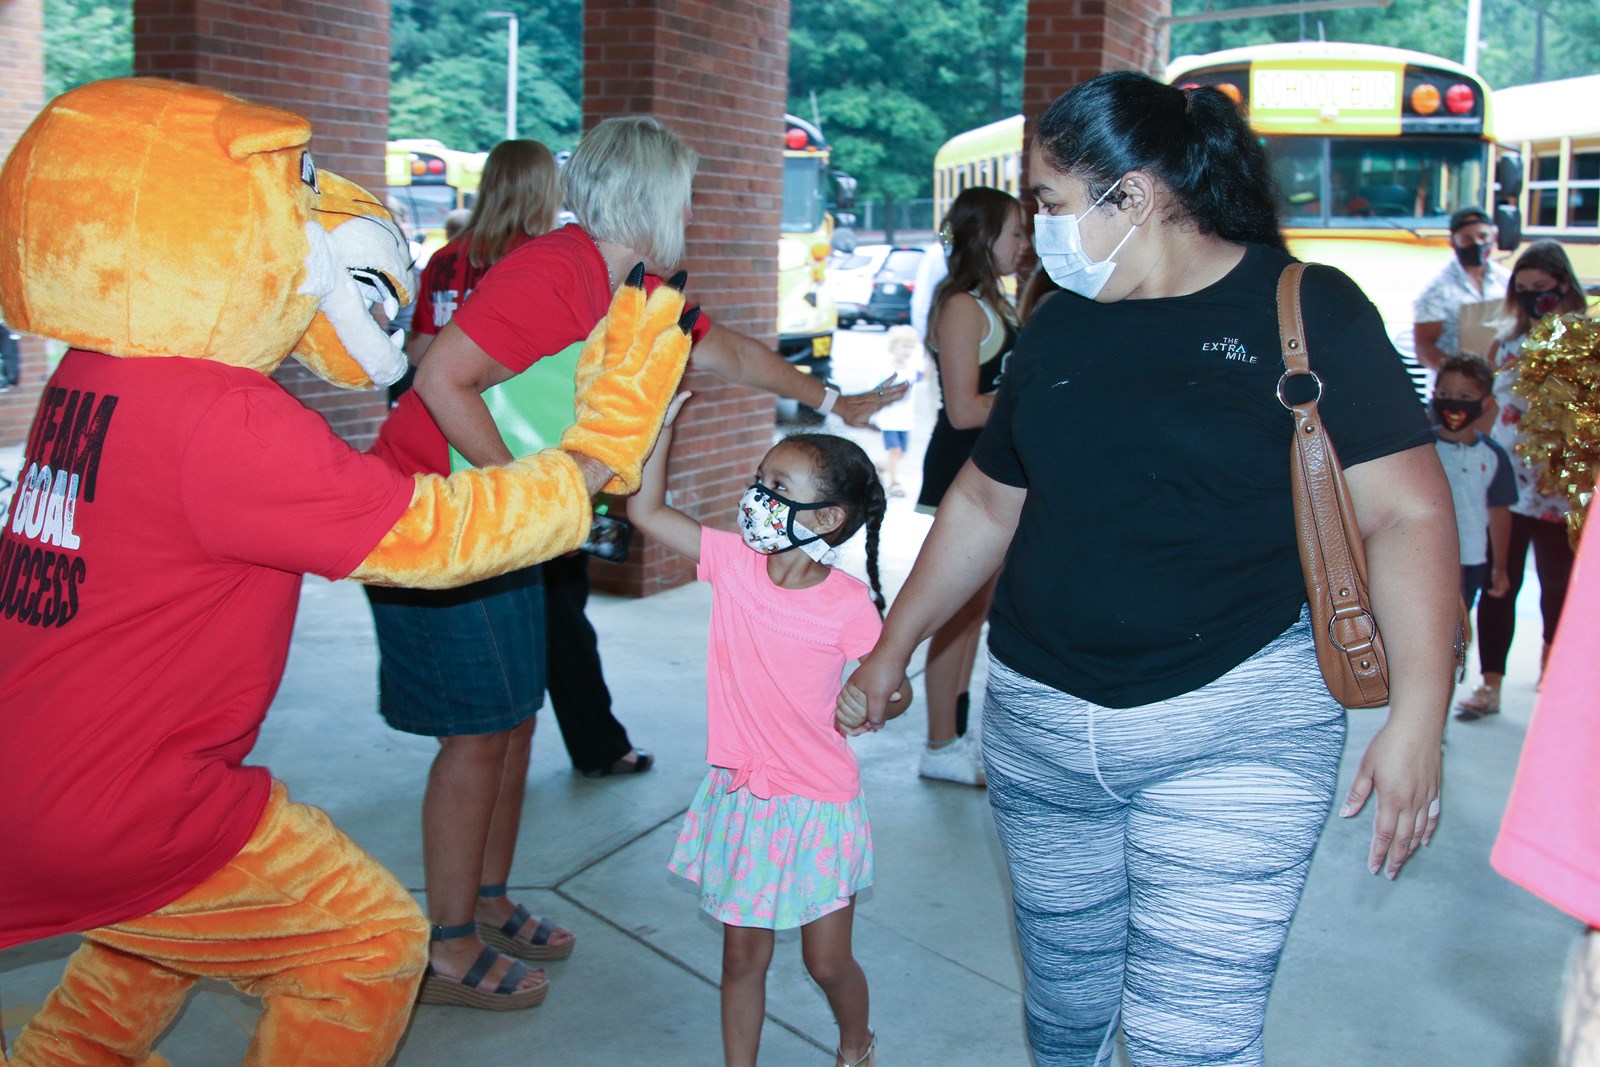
<point x="141" y="217"/>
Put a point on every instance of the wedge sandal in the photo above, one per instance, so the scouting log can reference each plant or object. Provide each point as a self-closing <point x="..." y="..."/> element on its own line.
<point x="465" y="992"/>
<point x="504" y="937"/>
<point x="535" y="947"/>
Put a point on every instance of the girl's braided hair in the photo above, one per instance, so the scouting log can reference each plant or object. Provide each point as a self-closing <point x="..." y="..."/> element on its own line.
<point x="846" y="477"/>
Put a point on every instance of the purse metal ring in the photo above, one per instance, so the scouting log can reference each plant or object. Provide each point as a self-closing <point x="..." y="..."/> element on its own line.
<point x="1291" y="374"/>
<point x="1372" y="630"/>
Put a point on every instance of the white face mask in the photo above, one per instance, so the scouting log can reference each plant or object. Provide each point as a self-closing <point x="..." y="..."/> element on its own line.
<point x="1059" y="245"/>
<point x="768" y="525"/>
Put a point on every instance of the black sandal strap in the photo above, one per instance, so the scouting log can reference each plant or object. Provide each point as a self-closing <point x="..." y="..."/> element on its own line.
<point x="514" y="976"/>
<point x="542" y="932"/>
<point x="451" y="933"/>
<point x="519" y="917"/>
<point x="492" y="890"/>
<point x="480" y="967"/>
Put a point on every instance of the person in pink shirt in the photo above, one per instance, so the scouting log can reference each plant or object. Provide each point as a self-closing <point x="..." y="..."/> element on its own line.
<point x="1549" y="839"/>
<point x="777" y="836"/>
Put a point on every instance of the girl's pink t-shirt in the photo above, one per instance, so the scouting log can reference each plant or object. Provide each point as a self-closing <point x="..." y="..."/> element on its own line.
<point x="773" y="672"/>
<point x="1550" y="838"/>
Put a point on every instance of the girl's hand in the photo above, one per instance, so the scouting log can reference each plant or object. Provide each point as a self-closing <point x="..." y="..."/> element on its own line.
<point x="850" y="712"/>
<point x="1403" y="765"/>
<point x="673" y="408"/>
<point x="880" y="683"/>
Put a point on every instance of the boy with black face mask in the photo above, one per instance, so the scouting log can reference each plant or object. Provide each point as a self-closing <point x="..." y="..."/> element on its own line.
<point x="1482" y="484"/>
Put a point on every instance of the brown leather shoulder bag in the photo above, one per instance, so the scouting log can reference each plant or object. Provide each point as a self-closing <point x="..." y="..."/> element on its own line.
<point x="1349" y="647"/>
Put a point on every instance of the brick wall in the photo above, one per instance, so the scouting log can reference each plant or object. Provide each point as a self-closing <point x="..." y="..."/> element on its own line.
<point x="21" y="97"/>
<point x="717" y="74"/>
<point x="326" y="61"/>
<point x="1071" y="41"/>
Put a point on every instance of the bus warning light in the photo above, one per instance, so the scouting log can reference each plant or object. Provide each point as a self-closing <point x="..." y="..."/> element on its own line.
<point x="1460" y="99"/>
<point x="1425" y="99"/>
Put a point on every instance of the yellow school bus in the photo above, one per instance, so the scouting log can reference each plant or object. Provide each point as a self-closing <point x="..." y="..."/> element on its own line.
<point x="989" y="155"/>
<point x="1555" y="126"/>
<point x="807" y="315"/>
<point x="1373" y="149"/>
<point x="428" y="181"/>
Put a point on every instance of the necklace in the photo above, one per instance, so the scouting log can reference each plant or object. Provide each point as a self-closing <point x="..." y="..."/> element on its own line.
<point x="611" y="283"/>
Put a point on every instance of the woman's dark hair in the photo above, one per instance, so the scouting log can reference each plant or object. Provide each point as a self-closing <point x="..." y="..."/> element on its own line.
<point x="1194" y="140"/>
<point x="973" y="224"/>
<point x="846" y="477"/>
<point x="1550" y="257"/>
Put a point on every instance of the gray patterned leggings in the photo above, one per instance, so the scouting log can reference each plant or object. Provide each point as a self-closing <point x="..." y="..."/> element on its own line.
<point x="1157" y="853"/>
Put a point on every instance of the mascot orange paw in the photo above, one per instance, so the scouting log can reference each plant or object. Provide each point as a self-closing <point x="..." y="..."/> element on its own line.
<point x="627" y="375"/>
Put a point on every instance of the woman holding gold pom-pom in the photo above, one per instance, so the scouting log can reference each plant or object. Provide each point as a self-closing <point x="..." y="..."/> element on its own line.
<point x="1543" y="284"/>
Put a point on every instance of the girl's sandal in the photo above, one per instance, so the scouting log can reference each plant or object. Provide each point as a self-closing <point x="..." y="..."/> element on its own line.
<point x="868" y="1058"/>
<point x="1484" y="701"/>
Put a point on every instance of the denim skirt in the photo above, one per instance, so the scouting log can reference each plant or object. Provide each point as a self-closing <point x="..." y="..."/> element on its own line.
<point x="461" y="661"/>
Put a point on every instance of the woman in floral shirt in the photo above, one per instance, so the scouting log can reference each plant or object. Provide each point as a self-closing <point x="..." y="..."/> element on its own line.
<point x="1542" y="283"/>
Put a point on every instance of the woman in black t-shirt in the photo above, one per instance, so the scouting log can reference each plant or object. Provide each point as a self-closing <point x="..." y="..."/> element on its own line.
<point x="1161" y="750"/>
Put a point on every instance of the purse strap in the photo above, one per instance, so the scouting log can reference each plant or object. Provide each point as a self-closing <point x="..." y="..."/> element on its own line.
<point x="1338" y="540"/>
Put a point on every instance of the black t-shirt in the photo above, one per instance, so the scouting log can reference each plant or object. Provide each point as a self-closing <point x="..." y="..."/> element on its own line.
<point x="1156" y="547"/>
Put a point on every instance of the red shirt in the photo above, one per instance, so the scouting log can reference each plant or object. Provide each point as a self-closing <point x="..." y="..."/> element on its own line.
<point x="535" y="302"/>
<point x="447" y="280"/>
<point x="146" y="601"/>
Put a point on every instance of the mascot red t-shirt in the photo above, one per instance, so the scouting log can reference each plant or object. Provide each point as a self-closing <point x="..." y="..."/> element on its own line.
<point x="177" y="604"/>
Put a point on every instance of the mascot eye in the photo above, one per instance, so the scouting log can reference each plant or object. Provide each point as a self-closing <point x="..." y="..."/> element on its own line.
<point x="308" y="171"/>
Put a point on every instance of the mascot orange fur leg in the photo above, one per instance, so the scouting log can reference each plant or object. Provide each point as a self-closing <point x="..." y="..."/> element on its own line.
<point x="301" y="917"/>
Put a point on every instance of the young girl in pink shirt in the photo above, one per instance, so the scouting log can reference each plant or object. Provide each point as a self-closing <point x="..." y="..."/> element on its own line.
<point x="777" y="836"/>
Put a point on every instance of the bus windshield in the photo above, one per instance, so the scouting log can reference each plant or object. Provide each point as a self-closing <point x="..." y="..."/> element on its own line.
<point x="804" y="195"/>
<point x="426" y="205"/>
<point x="1376" y="181"/>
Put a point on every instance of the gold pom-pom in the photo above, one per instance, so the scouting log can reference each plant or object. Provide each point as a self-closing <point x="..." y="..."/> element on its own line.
<point x="1558" y="374"/>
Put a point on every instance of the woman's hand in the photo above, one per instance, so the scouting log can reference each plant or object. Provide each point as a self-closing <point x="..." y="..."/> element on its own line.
<point x="878" y="683"/>
<point x="857" y="409"/>
<point x="1402" y="764"/>
<point x="851" y="712"/>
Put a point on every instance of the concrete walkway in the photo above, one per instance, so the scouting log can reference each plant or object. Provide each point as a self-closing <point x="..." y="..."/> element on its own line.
<point x="1450" y="965"/>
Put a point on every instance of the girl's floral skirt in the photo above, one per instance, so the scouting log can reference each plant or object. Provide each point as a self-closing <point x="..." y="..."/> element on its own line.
<point x="776" y="863"/>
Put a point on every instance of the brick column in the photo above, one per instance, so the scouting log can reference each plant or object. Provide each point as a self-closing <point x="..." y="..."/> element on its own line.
<point x="717" y="74"/>
<point x="326" y="61"/>
<point x="1071" y="41"/>
<point x="21" y="97"/>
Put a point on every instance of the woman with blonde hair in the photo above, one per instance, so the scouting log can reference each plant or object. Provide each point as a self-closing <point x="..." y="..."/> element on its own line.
<point x="472" y="672"/>
<point x="1543" y="283"/>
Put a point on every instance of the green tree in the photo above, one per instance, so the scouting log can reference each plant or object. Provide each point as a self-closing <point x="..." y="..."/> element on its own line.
<point x="84" y="41"/>
<point x="893" y="81"/>
<point x="1508" y="51"/>
<point x="448" y="72"/>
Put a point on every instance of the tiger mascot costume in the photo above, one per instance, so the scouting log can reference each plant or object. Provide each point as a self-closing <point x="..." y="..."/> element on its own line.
<point x="183" y="242"/>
